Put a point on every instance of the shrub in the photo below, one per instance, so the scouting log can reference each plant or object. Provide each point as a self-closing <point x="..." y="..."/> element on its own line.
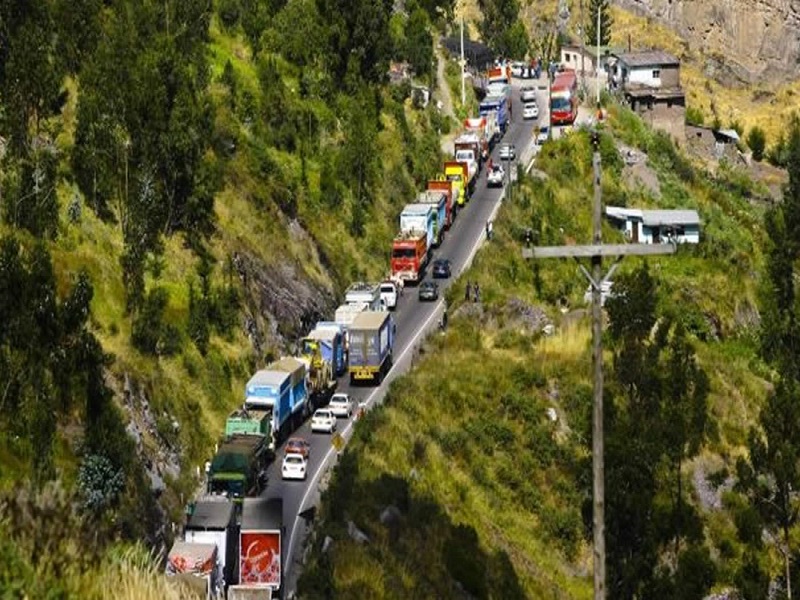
<point x="100" y="483"/>
<point x="694" y="116"/>
<point x="756" y="141"/>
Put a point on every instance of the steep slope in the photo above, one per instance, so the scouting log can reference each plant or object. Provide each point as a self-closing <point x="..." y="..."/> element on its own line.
<point x="472" y="480"/>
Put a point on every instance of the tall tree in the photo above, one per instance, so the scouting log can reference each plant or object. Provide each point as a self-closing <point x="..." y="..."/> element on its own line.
<point x="419" y="43"/>
<point x="601" y="8"/>
<point x="501" y="27"/>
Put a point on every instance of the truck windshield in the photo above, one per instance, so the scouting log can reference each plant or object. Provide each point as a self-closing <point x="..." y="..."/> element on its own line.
<point x="227" y="487"/>
<point x="462" y="155"/>
<point x="404" y="253"/>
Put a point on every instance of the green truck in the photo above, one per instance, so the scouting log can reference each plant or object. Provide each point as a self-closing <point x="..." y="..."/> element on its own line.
<point x="238" y="468"/>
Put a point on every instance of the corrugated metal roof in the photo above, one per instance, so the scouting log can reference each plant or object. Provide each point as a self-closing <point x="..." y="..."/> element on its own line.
<point x="323" y="334"/>
<point x="416" y="209"/>
<point x="670" y="217"/>
<point x="369" y="319"/>
<point x="655" y="217"/>
<point x="648" y="58"/>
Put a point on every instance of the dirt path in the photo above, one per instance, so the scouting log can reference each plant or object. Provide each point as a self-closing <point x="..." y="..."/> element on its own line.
<point x="446" y="98"/>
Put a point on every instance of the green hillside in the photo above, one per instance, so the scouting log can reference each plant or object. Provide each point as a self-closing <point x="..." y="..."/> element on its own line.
<point x="462" y="482"/>
<point x="184" y="187"/>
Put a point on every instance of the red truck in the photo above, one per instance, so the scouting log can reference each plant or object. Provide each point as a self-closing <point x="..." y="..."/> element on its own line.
<point x="409" y="255"/>
<point x="500" y="74"/>
<point x="442" y="185"/>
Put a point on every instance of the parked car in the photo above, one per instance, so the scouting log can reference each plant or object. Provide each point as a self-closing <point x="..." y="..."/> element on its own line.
<point x="299" y="446"/>
<point x="508" y="152"/>
<point x="544" y="135"/>
<point x="294" y="467"/>
<point x="441" y="268"/>
<point x="527" y="93"/>
<point x="496" y="176"/>
<point x="530" y="111"/>
<point x="341" y="405"/>
<point x="389" y="294"/>
<point x="323" y="420"/>
<point x="428" y="291"/>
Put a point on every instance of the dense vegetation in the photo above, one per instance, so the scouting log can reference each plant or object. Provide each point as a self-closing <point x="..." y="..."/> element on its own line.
<point x="165" y="166"/>
<point x="463" y="482"/>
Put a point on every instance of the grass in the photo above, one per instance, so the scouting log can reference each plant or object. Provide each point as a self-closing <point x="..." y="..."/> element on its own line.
<point x="463" y="440"/>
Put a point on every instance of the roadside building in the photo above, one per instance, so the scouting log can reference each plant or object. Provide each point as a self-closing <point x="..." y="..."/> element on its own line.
<point x="656" y="226"/>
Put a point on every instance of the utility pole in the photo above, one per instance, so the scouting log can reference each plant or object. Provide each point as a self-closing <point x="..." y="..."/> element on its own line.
<point x="463" y="63"/>
<point x="595" y="252"/>
<point x="583" y="49"/>
<point x="597" y="65"/>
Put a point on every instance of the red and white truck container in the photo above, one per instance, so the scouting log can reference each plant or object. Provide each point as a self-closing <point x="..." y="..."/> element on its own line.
<point x="261" y="554"/>
<point x="409" y="256"/>
<point x="470" y="146"/>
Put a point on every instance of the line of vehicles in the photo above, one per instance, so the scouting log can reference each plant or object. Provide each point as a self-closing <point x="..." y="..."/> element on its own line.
<point x="233" y="539"/>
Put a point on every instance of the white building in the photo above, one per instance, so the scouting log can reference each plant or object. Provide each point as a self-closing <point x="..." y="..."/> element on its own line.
<point x="656" y="226"/>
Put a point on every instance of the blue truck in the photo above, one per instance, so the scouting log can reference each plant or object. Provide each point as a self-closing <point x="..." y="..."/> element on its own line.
<point x="499" y="106"/>
<point x="439" y="202"/>
<point x="341" y="348"/>
<point x="372" y="336"/>
<point x="281" y="389"/>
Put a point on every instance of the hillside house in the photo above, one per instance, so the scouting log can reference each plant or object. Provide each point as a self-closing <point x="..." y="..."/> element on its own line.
<point x="650" y="82"/>
<point x="571" y="58"/>
<point x="656" y="226"/>
<point x="718" y="144"/>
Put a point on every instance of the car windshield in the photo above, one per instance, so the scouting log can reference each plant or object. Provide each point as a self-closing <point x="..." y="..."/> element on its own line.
<point x="294" y="460"/>
<point x="338" y="400"/>
<point x="387" y="288"/>
<point x="497" y="169"/>
<point x="323" y="414"/>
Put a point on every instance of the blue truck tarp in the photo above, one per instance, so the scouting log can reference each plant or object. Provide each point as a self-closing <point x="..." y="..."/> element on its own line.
<point x="269" y="389"/>
<point x="439" y="201"/>
<point x="297" y="372"/>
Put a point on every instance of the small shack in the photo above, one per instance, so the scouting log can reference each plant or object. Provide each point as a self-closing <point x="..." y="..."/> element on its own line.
<point x="656" y="226"/>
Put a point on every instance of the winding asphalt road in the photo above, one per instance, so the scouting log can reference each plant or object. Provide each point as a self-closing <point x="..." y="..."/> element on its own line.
<point x="414" y="320"/>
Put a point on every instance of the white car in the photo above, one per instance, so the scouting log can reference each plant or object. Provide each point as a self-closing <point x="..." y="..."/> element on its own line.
<point x="543" y="136"/>
<point x="294" y="467"/>
<point x="528" y="93"/>
<point x="508" y="152"/>
<point x="389" y="294"/>
<point x="496" y="176"/>
<point x="323" y="420"/>
<point x="530" y="111"/>
<point x="341" y="405"/>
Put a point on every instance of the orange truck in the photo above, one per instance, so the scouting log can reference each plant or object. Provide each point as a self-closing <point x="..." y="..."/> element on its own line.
<point x="409" y="255"/>
<point x="446" y="187"/>
<point x="500" y="74"/>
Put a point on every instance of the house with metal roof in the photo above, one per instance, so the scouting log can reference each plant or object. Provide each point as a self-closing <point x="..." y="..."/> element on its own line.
<point x="656" y="226"/>
<point x="650" y="82"/>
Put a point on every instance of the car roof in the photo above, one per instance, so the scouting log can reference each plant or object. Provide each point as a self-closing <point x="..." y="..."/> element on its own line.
<point x="293" y="455"/>
<point x="342" y="397"/>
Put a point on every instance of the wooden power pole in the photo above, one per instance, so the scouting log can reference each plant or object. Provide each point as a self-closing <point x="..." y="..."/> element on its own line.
<point x="595" y="252"/>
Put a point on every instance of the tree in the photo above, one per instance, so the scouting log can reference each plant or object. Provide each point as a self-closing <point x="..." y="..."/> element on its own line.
<point x="606" y="22"/>
<point x="498" y="26"/>
<point x="757" y="142"/>
<point x="657" y="417"/>
<point x="419" y="43"/>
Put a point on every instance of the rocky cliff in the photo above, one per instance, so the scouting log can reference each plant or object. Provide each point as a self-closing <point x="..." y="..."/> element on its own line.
<point x="738" y="41"/>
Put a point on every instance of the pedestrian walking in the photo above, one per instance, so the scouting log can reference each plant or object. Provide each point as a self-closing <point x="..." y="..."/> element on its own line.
<point x="477" y="290"/>
<point x="468" y="293"/>
<point x="489" y="228"/>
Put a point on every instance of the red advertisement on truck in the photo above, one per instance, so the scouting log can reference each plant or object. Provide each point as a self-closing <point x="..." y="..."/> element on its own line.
<point x="260" y="558"/>
<point x="409" y="255"/>
<point x="564" y="98"/>
<point x="442" y="185"/>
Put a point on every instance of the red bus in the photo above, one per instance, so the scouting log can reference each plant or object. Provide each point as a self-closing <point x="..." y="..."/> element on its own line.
<point x="564" y="98"/>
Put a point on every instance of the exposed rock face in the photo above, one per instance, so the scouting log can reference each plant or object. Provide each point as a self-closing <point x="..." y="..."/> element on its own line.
<point x="740" y="41"/>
